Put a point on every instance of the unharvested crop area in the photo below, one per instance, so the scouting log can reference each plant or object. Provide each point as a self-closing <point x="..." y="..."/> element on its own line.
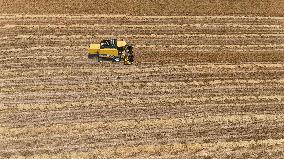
<point x="201" y="87"/>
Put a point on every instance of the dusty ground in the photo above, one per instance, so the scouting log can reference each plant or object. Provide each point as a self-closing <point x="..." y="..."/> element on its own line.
<point x="201" y="87"/>
<point x="146" y="7"/>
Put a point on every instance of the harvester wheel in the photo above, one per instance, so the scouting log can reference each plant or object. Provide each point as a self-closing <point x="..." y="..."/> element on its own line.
<point x="91" y="56"/>
<point x="96" y="58"/>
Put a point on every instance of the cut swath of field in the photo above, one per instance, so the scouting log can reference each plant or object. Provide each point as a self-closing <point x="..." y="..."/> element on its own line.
<point x="201" y="86"/>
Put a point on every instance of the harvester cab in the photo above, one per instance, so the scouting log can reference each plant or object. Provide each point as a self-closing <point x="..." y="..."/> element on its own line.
<point x="112" y="50"/>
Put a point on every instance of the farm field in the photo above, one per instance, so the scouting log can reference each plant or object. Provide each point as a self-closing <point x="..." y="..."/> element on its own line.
<point x="200" y="87"/>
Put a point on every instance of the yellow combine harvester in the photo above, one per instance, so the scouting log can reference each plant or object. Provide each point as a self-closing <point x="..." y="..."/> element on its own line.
<point x="112" y="50"/>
